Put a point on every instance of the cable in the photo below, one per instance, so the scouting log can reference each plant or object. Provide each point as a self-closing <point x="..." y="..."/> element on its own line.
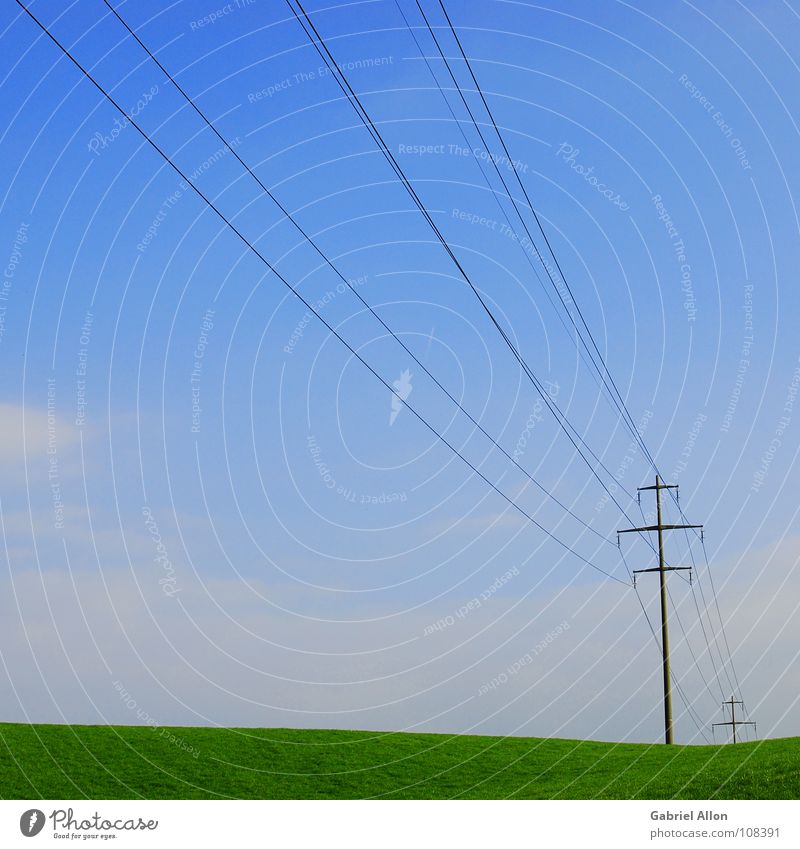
<point x="714" y="636"/>
<point x="602" y="384"/>
<point x="237" y="232"/>
<point x="691" y="651"/>
<point x="689" y="709"/>
<point x="677" y="684"/>
<point x="297" y="294"/>
<point x="729" y="661"/>
<point x="479" y="164"/>
<point x="341" y="276"/>
<point x="319" y="44"/>
<point x="622" y="409"/>
<point x="699" y="616"/>
<point x="721" y="621"/>
<point x="353" y="98"/>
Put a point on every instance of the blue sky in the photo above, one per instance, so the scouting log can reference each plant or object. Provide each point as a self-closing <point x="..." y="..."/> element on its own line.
<point x="235" y="521"/>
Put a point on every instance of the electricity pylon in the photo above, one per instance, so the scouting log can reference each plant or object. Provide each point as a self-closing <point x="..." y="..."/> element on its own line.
<point x="662" y="570"/>
<point x="734" y="721"/>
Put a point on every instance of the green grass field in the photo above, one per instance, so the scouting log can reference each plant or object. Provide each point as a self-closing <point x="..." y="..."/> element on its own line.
<point x="120" y="762"/>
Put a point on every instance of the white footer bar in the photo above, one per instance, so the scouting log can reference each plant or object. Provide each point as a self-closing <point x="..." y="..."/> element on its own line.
<point x="406" y="824"/>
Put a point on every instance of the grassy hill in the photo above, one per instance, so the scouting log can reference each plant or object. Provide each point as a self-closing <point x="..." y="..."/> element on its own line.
<point x="119" y="762"/>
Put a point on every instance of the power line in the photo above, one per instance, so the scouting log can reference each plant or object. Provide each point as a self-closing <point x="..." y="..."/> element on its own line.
<point x="691" y="650"/>
<point x="719" y="614"/>
<point x="572" y="434"/>
<point x="734" y="722"/>
<point x="689" y="709"/>
<point x="623" y="410"/>
<point x="493" y="159"/>
<point x="499" y="174"/>
<point x="270" y="267"/>
<point x="479" y="164"/>
<point x="566" y="282"/>
<point x="477" y="160"/>
<point x="662" y="570"/>
<point x="639" y="439"/>
<point x="354" y="100"/>
<point x="725" y="663"/>
<point x="339" y="76"/>
<point x="699" y="615"/>
<point x="341" y="276"/>
<point x="714" y="636"/>
<point x="297" y="294"/>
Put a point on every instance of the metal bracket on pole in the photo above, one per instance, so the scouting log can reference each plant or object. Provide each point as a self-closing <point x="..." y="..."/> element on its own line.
<point x="734" y="722"/>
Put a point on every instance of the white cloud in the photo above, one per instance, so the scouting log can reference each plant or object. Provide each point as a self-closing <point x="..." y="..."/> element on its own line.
<point x="222" y="652"/>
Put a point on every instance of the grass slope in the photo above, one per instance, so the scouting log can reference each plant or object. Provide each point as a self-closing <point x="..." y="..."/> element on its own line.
<point x="120" y="762"/>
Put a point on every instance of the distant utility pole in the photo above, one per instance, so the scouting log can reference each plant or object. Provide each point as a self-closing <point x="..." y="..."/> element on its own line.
<point x="662" y="570"/>
<point x="734" y="721"/>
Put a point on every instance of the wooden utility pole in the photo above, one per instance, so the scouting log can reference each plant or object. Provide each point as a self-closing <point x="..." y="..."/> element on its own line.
<point x="662" y="570"/>
<point x="734" y="721"/>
